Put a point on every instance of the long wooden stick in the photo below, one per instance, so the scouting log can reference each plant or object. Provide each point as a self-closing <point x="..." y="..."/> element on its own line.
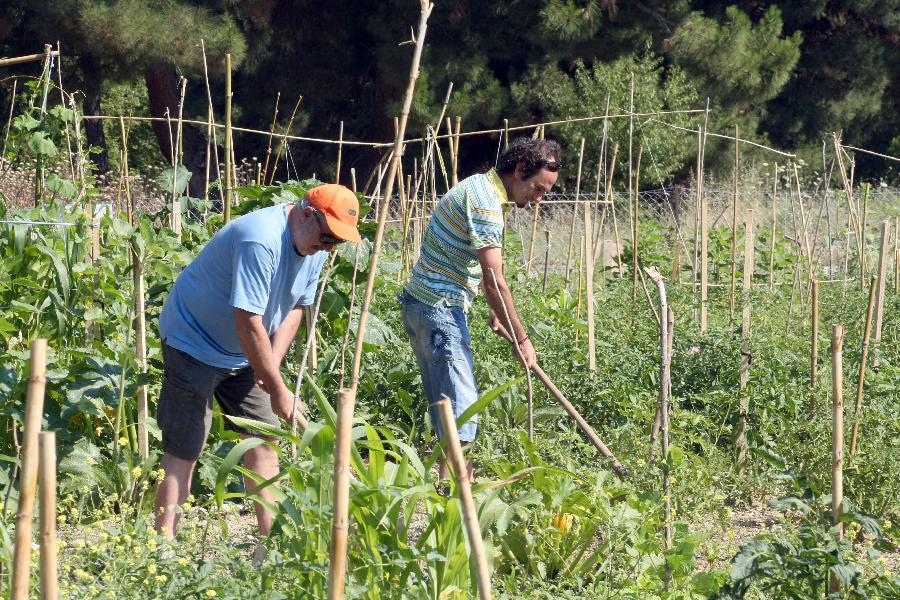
<point x="140" y="338"/>
<point x="734" y="205"/>
<point x="515" y="344"/>
<point x="534" y="222"/>
<point x="746" y="356"/>
<point x="867" y="332"/>
<point x="837" y="439"/>
<point x="883" y="266"/>
<point x="574" y="214"/>
<point x="608" y="205"/>
<point x="34" y="412"/>
<point x="657" y="419"/>
<point x="814" y="345"/>
<point x="772" y="231"/>
<point x="589" y="283"/>
<point x="546" y="259"/>
<point x="634" y="226"/>
<point x="457" y="464"/>
<point x="617" y="467"/>
<point x="804" y="224"/>
<point x="389" y="190"/>
<point x="228" y="183"/>
<point x="664" y="379"/>
<point x="340" y="526"/>
<point x="47" y="476"/>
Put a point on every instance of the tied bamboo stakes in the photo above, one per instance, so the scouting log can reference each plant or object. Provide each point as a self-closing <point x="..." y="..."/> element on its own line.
<point x="34" y="412"/>
<point x="457" y="463"/>
<point x="340" y="525"/>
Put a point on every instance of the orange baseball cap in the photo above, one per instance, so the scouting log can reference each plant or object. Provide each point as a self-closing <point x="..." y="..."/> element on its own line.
<point x="340" y="207"/>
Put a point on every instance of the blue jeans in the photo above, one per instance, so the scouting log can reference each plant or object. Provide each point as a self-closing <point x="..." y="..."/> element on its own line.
<point x="440" y="339"/>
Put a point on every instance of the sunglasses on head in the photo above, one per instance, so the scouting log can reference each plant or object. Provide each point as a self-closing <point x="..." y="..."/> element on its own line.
<point x="551" y="165"/>
<point x="326" y="238"/>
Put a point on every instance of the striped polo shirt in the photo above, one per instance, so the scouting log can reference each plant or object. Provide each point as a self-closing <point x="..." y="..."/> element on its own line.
<point x="469" y="217"/>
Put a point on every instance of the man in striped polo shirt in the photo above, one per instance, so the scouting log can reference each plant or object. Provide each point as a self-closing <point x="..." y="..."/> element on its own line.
<point x="462" y="246"/>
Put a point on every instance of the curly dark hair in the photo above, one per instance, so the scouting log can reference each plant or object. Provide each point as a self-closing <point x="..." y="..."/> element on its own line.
<point x="532" y="154"/>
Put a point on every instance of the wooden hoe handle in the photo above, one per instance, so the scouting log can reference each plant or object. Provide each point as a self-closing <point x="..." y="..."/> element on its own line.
<point x="617" y="467"/>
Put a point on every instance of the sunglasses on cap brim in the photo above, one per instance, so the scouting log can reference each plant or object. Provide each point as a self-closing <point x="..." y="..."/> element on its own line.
<point x="326" y="238"/>
<point x="551" y="165"/>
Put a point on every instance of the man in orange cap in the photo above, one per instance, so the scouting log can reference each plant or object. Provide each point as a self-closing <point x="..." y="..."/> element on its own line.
<point x="226" y="326"/>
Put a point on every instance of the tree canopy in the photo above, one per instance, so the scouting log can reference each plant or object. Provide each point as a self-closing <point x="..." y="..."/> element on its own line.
<point x="785" y="72"/>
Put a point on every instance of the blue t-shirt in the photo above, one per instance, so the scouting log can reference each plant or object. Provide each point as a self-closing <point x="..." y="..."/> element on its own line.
<point x="249" y="264"/>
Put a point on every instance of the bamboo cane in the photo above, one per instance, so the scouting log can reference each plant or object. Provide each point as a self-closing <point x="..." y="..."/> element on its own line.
<point x="47" y="475"/>
<point x="228" y="183"/>
<point x="704" y="263"/>
<point x="176" y="154"/>
<point x="6" y="62"/>
<point x="867" y="332"/>
<point x="140" y="338"/>
<point x="456" y="131"/>
<point x="803" y="223"/>
<point x="284" y="138"/>
<point x="814" y="345"/>
<point x="630" y="143"/>
<point x="211" y="124"/>
<point x="546" y="259"/>
<point x="746" y="357"/>
<point x="12" y="107"/>
<point x="34" y="412"/>
<point x="574" y="214"/>
<point x="589" y="285"/>
<point x="337" y="168"/>
<point x="389" y="189"/>
<point x="457" y="464"/>
<point x="696" y="265"/>
<point x="734" y="206"/>
<point x="271" y="135"/>
<point x="864" y="257"/>
<point x="534" y="222"/>
<point x="896" y="254"/>
<point x="340" y="526"/>
<point x="883" y="266"/>
<point x="634" y="226"/>
<point x="772" y="231"/>
<point x="607" y="205"/>
<point x="837" y="439"/>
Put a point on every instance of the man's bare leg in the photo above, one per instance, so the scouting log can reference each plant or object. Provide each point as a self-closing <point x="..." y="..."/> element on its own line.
<point x="172" y="493"/>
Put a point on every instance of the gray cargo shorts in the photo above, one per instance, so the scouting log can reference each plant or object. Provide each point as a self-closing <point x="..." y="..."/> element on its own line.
<point x="184" y="411"/>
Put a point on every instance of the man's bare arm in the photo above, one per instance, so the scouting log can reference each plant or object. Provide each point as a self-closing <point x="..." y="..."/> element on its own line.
<point x="258" y="349"/>
<point x="491" y="260"/>
<point x="285" y="334"/>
